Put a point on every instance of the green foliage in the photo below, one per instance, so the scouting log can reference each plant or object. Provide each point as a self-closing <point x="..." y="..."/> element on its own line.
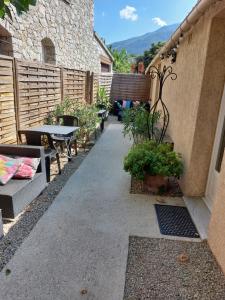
<point x="64" y="108"/>
<point x="103" y="100"/>
<point x="88" y="120"/>
<point x="137" y="123"/>
<point x="150" y="158"/>
<point x="149" y="55"/>
<point x="121" y="62"/>
<point x="20" y="5"/>
<point x="86" y="113"/>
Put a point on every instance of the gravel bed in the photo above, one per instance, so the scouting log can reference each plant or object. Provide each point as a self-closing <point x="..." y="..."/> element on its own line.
<point x="18" y="229"/>
<point x="138" y="187"/>
<point x="166" y="269"/>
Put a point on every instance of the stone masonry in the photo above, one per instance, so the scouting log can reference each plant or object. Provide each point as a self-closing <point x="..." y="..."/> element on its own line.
<point x="67" y="23"/>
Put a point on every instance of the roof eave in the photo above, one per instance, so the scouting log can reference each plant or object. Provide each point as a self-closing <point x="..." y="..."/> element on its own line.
<point x="103" y="45"/>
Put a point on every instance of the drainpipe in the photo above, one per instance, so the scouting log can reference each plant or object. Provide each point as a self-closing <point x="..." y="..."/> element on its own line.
<point x="198" y="10"/>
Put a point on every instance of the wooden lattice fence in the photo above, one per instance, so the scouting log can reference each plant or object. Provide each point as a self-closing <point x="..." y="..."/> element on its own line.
<point x="7" y="107"/>
<point x="130" y="86"/>
<point x="105" y="80"/>
<point x="38" y="91"/>
<point x="74" y="84"/>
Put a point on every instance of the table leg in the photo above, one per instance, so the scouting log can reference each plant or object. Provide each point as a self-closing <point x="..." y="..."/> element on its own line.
<point x="47" y="166"/>
<point x="102" y="125"/>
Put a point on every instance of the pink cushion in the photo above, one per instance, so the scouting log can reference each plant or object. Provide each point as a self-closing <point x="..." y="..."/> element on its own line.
<point x="28" y="167"/>
<point x="24" y="172"/>
<point x="8" y="167"/>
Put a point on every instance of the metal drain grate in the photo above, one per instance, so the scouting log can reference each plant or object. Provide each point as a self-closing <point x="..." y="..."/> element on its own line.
<point x="176" y="221"/>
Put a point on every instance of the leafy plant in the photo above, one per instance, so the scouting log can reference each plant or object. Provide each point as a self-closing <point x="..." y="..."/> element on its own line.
<point x="87" y="115"/>
<point x="88" y="120"/>
<point x="150" y="158"/>
<point x="122" y="60"/>
<point x="64" y="108"/>
<point x="149" y="55"/>
<point x="103" y="100"/>
<point x="137" y="122"/>
<point x="20" y="5"/>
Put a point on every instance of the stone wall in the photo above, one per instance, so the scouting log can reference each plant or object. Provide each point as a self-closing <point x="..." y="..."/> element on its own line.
<point x="68" y="26"/>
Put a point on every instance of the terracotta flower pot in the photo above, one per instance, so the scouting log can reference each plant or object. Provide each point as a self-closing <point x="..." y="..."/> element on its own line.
<point x="154" y="183"/>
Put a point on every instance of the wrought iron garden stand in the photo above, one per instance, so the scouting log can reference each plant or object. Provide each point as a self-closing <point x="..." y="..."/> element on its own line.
<point x="156" y="133"/>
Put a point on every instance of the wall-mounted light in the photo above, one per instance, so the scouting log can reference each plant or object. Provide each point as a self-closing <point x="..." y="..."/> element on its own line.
<point x="181" y="37"/>
<point x="174" y="55"/>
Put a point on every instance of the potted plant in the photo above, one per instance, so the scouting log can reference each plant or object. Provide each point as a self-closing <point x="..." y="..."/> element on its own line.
<point x="153" y="164"/>
<point x="103" y="101"/>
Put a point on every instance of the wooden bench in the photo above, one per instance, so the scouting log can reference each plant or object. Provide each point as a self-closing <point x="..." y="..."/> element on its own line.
<point x="17" y="194"/>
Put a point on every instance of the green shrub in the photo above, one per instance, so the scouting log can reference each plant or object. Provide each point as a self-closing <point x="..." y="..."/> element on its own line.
<point x="103" y="100"/>
<point x="150" y="158"/>
<point x="88" y="120"/>
<point x="137" y="123"/>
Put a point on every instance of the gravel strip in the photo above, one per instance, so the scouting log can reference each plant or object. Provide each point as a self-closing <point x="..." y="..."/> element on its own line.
<point x="166" y="269"/>
<point x="18" y="229"/>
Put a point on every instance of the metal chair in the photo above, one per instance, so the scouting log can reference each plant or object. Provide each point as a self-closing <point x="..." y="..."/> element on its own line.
<point x="70" y="140"/>
<point x="36" y="138"/>
<point x="66" y="120"/>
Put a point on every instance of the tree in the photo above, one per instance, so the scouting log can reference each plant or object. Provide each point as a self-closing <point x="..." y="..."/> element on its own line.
<point x="20" y="5"/>
<point x="122" y="60"/>
<point x="150" y="54"/>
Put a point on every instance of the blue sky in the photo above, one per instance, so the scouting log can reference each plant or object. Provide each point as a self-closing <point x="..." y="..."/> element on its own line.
<point x="117" y="20"/>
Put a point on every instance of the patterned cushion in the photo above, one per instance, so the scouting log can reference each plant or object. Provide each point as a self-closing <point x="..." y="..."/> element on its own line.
<point x="8" y="167"/>
<point x="28" y="167"/>
<point x="24" y="172"/>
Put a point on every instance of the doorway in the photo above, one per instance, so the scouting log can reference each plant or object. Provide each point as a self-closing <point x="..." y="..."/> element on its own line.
<point x="217" y="156"/>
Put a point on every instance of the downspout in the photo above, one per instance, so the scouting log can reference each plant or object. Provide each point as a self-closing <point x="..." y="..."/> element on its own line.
<point x="197" y="11"/>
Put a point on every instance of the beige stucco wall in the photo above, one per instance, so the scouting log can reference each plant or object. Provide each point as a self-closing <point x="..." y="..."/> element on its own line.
<point x="216" y="236"/>
<point x="194" y="101"/>
<point x="194" y="98"/>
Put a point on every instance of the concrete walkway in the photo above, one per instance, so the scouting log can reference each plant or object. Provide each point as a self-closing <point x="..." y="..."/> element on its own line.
<point x="82" y="240"/>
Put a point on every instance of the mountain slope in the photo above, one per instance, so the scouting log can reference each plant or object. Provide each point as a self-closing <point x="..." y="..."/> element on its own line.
<point x="138" y="45"/>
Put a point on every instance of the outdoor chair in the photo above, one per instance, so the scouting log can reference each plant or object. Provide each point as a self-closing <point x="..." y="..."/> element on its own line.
<point x="36" y="138"/>
<point x="70" y="140"/>
<point x="103" y="107"/>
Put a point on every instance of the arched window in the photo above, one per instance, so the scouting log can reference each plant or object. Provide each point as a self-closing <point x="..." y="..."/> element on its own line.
<point x="48" y="51"/>
<point x="6" y="47"/>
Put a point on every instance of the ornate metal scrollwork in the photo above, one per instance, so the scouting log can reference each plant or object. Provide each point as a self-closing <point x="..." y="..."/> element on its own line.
<point x="158" y="126"/>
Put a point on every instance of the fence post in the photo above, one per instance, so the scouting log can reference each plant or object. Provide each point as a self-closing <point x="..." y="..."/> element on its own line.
<point x="91" y="88"/>
<point x="62" y="84"/>
<point x="87" y="87"/>
<point x="16" y="97"/>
